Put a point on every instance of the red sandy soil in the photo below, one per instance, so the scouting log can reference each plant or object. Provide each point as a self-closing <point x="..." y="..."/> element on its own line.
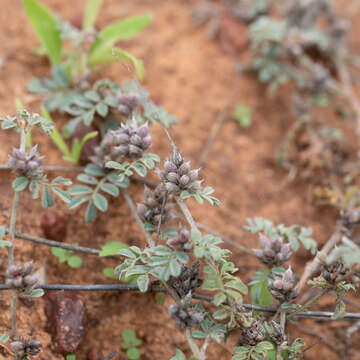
<point x="191" y="76"/>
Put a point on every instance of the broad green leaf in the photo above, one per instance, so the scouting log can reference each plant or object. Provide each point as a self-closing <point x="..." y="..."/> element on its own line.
<point x="179" y="355"/>
<point x="55" y="135"/>
<point x="198" y="334"/>
<point x="46" y="27"/>
<point x="112" y="248"/>
<point x="100" y="202"/>
<point x="121" y="30"/>
<point x="128" y="335"/>
<point x="122" y="55"/>
<point x="109" y="273"/>
<point x="75" y="261"/>
<point x="133" y="353"/>
<point x="20" y="183"/>
<point x="87" y="179"/>
<point x="91" y="12"/>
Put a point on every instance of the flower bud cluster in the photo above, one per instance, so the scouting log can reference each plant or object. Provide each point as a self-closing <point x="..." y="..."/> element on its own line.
<point x="23" y="348"/>
<point x="183" y="315"/>
<point x="273" y="253"/>
<point x="127" y="102"/>
<point x="253" y="334"/>
<point x="334" y="272"/>
<point x="188" y="280"/>
<point x="178" y="176"/>
<point x="283" y="288"/>
<point x="277" y="335"/>
<point x="182" y="240"/>
<point x="21" y="276"/>
<point x="129" y="141"/>
<point x="26" y="163"/>
<point x="150" y="210"/>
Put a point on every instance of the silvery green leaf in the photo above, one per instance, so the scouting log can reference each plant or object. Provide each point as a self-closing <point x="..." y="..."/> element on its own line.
<point x="20" y="183"/>
<point x="175" y="268"/>
<point x="182" y="257"/>
<point x="90" y="212"/>
<point x="143" y="282"/>
<point x="140" y="169"/>
<point x="63" y="195"/>
<point x="88" y="117"/>
<point x="2" y="232"/>
<point x="75" y="202"/>
<point x="102" y="109"/>
<point x="100" y="202"/>
<point x="35" y="293"/>
<point x="198" y="334"/>
<point x="87" y="179"/>
<point x="127" y="253"/>
<point x="94" y="170"/>
<point x="4" y="244"/>
<point x="47" y="199"/>
<point x="110" y="189"/>
<point x="80" y="190"/>
<point x="4" y="338"/>
<point x="60" y="180"/>
<point x="92" y="95"/>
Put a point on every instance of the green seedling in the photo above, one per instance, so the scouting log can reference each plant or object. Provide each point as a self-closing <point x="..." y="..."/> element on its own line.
<point x="67" y="256"/>
<point x="73" y="155"/>
<point x="90" y="48"/>
<point x="131" y="344"/>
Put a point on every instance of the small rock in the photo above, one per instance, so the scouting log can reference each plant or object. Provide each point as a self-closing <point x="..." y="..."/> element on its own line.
<point x="66" y="320"/>
<point x="54" y="225"/>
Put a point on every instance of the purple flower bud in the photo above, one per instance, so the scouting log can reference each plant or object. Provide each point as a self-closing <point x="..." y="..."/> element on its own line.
<point x="288" y="275"/>
<point x="122" y="138"/>
<point x="30" y="280"/>
<point x="142" y="210"/>
<point x="184" y="168"/>
<point x="17" y="346"/>
<point x="177" y="158"/>
<point x="265" y="242"/>
<point x="170" y="166"/>
<point x="172" y="188"/>
<point x="184" y="180"/>
<point x="28" y="267"/>
<point x="173" y="177"/>
<point x="193" y="174"/>
<point x="143" y="130"/>
<point x="135" y="151"/>
<point x="136" y="140"/>
<point x="278" y="284"/>
<point x="18" y="282"/>
<point x="146" y="142"/>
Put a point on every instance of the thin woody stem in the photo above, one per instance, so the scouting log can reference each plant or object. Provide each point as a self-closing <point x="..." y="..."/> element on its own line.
<point x="12" y="238"/>
<point x="185" y="210"/>
<point x="309" y="303"/>
<point x="136" y="217"/>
